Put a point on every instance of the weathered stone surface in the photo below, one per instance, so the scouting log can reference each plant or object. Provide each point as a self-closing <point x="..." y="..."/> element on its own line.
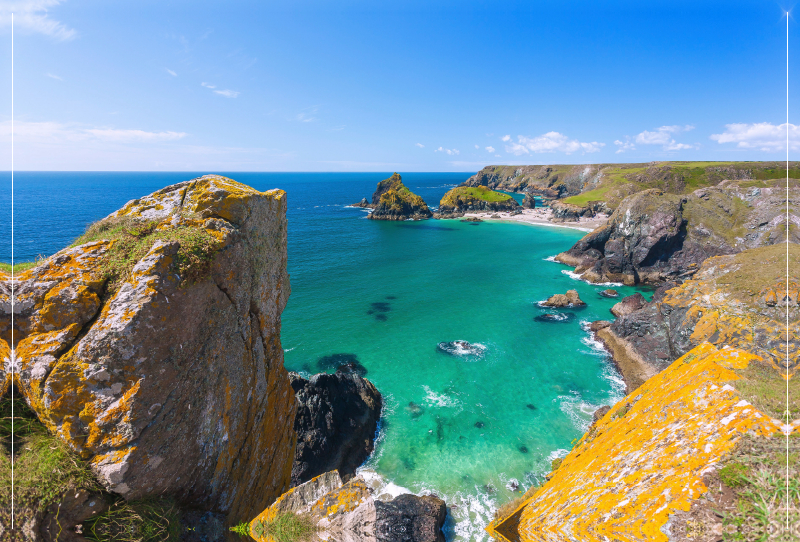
<point x="61" y="522"/>
<point x="645" y="459"/>
<point x="567" y="212"/>
<point x="628" y="305"/>
<point x="336" y="421"/>
<point x="393" y="201"/>
<point x="349" y="513"/>
<point x="168" y="388"/>
<point x="570" y="299"/>
<point x="653" y="236"/>
<point x="364" y="203"/>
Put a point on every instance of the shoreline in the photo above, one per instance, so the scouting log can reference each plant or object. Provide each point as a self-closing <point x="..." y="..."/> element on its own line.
<point x="541" y="217"/>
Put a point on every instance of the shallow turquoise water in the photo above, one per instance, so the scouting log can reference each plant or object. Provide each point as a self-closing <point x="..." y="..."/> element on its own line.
<point x="432" y="281"/>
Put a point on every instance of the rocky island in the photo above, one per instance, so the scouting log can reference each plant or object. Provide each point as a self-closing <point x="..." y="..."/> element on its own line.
<point x="393" y="201"/>
<point x="464" y="199"/>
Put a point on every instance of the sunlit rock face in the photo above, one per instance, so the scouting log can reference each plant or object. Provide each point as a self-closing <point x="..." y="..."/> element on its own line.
<point x="165" y="370"/>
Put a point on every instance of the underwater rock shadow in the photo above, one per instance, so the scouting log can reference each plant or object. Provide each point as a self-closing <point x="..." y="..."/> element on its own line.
<point x="342" y="363"/>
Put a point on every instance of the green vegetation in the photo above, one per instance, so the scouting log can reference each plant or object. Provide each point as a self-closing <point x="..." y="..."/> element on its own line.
<point x="44" y="467"/>
<point x="134" y="237"/>
<point x="759" y="268"/>
<point x="19" y="267"/>
<point x="286" y="527"/>
<point x="242" y="529"/>
<point x="556" y="463"/>
<point x="467" y="195"/>
<point x="765" y="389"/>
<point x="154" y="520"/>
<point x="765" y="495"/>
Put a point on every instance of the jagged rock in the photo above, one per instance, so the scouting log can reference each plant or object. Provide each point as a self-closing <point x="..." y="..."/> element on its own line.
<point x="599" y="413"/>
<point x="393" y="201"/>
<point x="529" y="201"/>
<point x="567" y="212"/>
<point x="336" y="420"/>
<point x="348" y="512"/>
<point x="462" y="199"/>
<point x="570" y="299"/>
<point x="597" y="325"/>
<point x="609" y="293"/>
<point x="628" y="305"/>
<point x="168" y="376"/>
<point x="654" y="237"/>
<point x="364" y="203"/>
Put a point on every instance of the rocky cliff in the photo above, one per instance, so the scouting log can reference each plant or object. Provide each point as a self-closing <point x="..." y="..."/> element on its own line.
<point x="393" y="201"/>
<point x="464" y="199"/>
<point x="151" y="347"/>
<point x="654" y="237"/>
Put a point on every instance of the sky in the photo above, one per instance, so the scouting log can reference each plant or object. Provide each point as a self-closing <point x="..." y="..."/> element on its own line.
<point x="402" y="86"/>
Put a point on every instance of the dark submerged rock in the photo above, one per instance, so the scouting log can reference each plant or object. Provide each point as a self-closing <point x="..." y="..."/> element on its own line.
<point x="555" y="318"/>
<point x="409" y="518"/>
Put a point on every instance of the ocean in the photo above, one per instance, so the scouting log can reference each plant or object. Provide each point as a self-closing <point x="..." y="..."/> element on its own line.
<point x="475" y="428"/>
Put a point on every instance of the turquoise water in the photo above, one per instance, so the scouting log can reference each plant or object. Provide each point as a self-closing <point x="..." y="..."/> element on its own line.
<point x="385" y="294"/>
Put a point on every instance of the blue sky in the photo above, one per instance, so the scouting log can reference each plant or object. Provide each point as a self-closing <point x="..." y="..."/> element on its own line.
<point x="419" y="86"/>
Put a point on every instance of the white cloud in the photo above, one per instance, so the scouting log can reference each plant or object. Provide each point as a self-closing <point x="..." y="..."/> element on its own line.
<point x="111" y="134"/>
<point x="664" y="136"/>
<point x="307" y="114"/>
<point x="497" y="156"/>
<point x="550" y="142"/>
<point x="172" y="73"/>
<point x="53" y="76"/>
<point x="626" y="145"/>
<point x="32" y="16"/>
<point x="208" y="85"/>
<point x="490" y="149"/>
<point x="506" y="138"/>
<point x="448" y="151"/>
<point x="227" y="93"/>
<point x="477" y="146"/>
<point x="764" y="136"/>
<point x="420" y="145"/>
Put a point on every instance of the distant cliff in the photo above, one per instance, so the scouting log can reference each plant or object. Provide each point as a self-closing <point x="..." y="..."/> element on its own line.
<point x="463" y="199"/>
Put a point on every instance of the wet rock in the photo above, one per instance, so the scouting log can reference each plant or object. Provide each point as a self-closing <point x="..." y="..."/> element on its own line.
<point x="609" y="293"/>
<point x="414" y="409"/>
<point x="336" y="420"/>
<point x="555" y="318"/>
<point x="597" y="325"/>
<point x="628" y="305"/>
<point x="461" y="348"/>
<point x="364" y="203"/>
<point x="570" y="299"/>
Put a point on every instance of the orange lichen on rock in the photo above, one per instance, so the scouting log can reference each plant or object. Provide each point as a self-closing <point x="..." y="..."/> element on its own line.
<point x="645" y="459"/>
<point x="166" y="387"/>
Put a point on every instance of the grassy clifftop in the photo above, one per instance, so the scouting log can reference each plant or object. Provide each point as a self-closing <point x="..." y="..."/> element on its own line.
<point x="611" y="183"/>
<point x="468" y="193"/>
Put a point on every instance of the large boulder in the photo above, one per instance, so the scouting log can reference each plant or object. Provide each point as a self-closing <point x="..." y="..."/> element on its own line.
<point x="463" y="199"/>
<point x="336" y="421"/>
<point x="152" y="347"/>
<point x="349" y="512"/>
<point x="628" y="305"/>
<point x="393" y="201"/>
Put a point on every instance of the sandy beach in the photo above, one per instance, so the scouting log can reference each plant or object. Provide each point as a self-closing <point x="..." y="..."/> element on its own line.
<point x="542" y="217"/>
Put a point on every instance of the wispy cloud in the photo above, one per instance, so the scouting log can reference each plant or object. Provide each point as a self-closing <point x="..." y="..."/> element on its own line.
<point x="626" y="145"/>
<point x="33" y="16"/>
<point x="207" y="85"/>
<point x="172" y="73"/>
<point x="477" y="146"/>
<point x="337" y="128"/>
<point x="227" y="93"/>
<point x="420" y="145"/>
<point x="49" y="132"/>
<point x="111" y="134"/>
<point x="664" y="136"/>
<point x="307" y="114"/>
<point x="764" y="136"/>
<point x="549" y="142"/>
<point x="490" y="149"/>
<point x="53" y="76"/>
<point x="447" y="151"/>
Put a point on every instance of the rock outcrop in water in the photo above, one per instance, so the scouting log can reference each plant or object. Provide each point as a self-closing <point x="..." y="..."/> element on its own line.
<point x="569" y="299"/>
<point x="628" y="305"/>
<point x="393" y="201"/>
<point x="464" y="199"/>
<point x="152" y="347"/>
<point x="654" y="237"/>
<point x="337" y="417"/>
<point x="349" y="512"/>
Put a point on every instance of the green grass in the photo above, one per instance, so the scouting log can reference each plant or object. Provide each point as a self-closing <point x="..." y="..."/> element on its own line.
<point x="134" y="237"/>
<point x="764" y="497"/>
<point x="467" y="193"/>
<point x="286" y="527"/>
<point x="18" y="267"/>
<point x="151" y="520"/>
<point x="44" y="467"/>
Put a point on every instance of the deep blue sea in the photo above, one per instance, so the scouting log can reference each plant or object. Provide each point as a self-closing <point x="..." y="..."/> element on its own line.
<point x="468" y="428"/>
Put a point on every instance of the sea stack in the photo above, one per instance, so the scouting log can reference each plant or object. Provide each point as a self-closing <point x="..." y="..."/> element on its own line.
<point x="393" y="201"/>
<point x="462" y="199"/>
